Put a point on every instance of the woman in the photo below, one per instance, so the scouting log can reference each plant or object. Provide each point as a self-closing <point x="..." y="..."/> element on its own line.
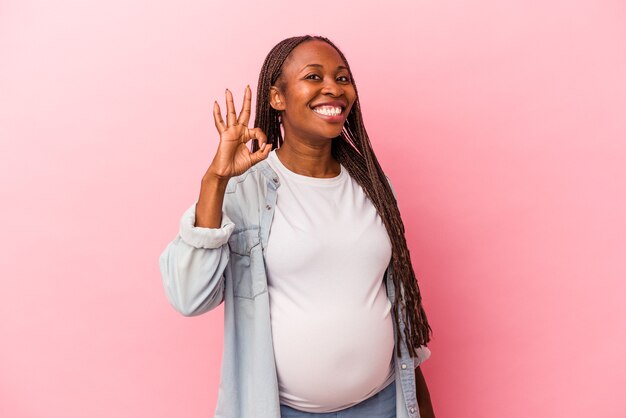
<point x="305" y="246"/>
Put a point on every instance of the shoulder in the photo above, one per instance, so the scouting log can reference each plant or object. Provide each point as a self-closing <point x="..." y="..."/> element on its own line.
<point x="246" y="194"/>
<point x="238" y="183"/>
<point x="256" y="177"/>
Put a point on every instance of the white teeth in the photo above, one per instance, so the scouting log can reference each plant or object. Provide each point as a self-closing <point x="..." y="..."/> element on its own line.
<point x="327" y="110"/>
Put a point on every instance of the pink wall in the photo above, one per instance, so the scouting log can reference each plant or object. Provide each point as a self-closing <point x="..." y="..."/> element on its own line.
<point x="501" y="124"/>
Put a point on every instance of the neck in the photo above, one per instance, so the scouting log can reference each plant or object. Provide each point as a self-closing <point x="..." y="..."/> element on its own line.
<point x="309" y="159"/>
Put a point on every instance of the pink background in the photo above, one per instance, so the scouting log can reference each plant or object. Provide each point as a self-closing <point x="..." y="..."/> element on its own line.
<point x="501" y="124"/>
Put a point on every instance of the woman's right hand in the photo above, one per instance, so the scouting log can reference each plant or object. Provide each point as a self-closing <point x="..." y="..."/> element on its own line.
<point x="233" y="157"/>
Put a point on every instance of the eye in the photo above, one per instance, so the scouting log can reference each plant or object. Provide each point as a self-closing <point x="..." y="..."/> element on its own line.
<point x="312" y="77"/>
<point x="343" y="79"/>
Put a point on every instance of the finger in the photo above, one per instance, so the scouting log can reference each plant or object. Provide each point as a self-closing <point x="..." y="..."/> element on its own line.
<point x="231" y="116"/>
<point x="261" y="154"/>
<point x="258" y="134"/>
<point x="217" y="117"/>
<point x="244" y="116"/>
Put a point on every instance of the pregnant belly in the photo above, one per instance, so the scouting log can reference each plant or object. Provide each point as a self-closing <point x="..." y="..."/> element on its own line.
<point x="331" y="358"/>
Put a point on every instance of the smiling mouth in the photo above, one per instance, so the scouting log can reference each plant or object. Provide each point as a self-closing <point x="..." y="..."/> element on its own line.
<point x="328" y="110"/>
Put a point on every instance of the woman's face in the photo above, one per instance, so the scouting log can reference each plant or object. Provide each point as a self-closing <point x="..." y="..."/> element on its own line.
<point x="314" y="92"/>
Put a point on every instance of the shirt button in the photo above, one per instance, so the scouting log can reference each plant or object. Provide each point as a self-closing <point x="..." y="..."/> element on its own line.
<point x="403" y="365"/>
<point x="412" y="410"/>
<point x="268" y="207"/>
<point x="275" y="180"/>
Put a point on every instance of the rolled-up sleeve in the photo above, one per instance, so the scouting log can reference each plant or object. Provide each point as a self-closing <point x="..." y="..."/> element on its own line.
<point x="423" y="353"/>
<point x="192" y="265"/>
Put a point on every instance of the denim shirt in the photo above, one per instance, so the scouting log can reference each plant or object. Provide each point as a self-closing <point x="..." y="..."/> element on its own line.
<point x="203" y="267"/>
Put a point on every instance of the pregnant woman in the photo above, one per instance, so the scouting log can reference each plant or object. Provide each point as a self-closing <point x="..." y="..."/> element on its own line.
<point x="301" y="238"/>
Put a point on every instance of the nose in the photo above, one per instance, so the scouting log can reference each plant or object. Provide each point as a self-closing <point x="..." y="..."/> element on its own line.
<point x="332" y="88"/>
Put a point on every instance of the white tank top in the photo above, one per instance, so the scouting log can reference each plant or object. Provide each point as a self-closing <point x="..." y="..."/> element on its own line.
<point x="331" y="320"/>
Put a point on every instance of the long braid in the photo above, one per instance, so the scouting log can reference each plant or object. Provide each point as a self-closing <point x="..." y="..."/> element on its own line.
<point x="267" y="117"/>
<point x="354" y="151"/>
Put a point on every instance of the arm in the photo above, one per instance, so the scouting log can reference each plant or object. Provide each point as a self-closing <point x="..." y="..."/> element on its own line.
<point x="192" y="266"/>
<point x="423" y="396"/>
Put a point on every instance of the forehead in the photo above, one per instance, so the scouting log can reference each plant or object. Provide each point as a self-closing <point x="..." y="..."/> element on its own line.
<point x="312" y="52"/>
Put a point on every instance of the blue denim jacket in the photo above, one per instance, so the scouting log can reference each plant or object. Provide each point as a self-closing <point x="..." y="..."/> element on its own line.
<point x="203" y="267"/>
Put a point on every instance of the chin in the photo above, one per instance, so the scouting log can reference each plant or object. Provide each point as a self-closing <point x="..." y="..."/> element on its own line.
<point x="332" y="134"/>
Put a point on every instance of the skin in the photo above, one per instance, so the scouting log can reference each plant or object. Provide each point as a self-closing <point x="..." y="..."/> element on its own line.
<point x="423" y="396"/>
<point x="313" y="73"/>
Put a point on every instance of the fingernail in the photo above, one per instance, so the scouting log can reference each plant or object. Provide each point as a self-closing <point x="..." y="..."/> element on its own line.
<point x="263" y="147"/>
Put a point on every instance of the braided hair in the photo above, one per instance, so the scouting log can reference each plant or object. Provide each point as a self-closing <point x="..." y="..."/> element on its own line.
<point x="352" y="148"/>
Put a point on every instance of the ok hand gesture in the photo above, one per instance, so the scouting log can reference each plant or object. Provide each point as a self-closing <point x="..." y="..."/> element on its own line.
<point x="233" y="157"/>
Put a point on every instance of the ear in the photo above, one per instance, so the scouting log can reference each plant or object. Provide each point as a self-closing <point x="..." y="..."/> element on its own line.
<point x="277" y="100"/>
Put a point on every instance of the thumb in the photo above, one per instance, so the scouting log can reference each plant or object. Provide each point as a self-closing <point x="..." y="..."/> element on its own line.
<point x="261" y="153"/>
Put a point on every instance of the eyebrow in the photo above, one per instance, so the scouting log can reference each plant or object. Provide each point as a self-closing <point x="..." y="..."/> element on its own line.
<point x="340" y="67"/>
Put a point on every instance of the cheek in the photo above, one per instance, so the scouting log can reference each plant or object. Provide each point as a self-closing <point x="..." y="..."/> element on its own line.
<point x="351" y="93"/>
<point x="296" y="103"/>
